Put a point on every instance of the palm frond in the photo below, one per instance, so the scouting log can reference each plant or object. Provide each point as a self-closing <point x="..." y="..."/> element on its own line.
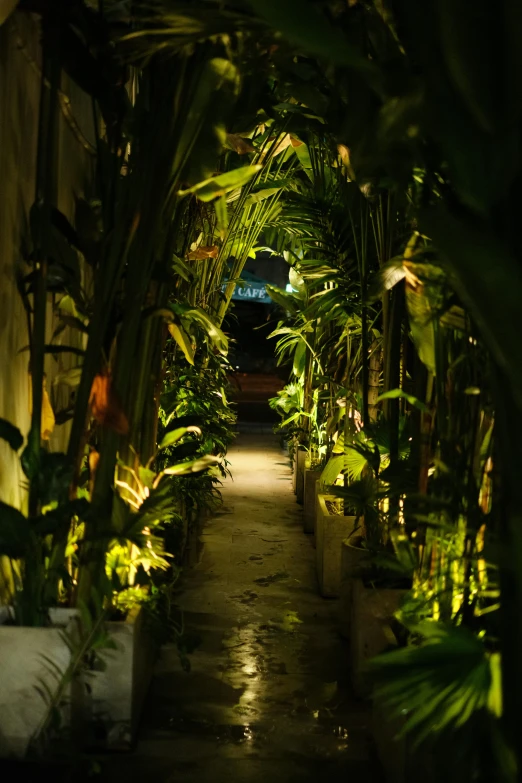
<point x="440" y="682"/>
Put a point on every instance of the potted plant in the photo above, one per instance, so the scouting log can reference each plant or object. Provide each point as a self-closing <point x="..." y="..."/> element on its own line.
<point x="112" y="705"/>
<point x="300" y="467"/>
<point x="373" y="607"/>
<point x="36" y="641"/>
<point x="32" y="660"/>
<point x="312" y="474"/>
<point x="373" y="580"/>
<point x="332" y="528"/>
<point x="354" y="556"/>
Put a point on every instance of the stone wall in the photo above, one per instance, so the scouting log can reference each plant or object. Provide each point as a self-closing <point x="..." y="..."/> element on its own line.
<point x="20" y="84"/>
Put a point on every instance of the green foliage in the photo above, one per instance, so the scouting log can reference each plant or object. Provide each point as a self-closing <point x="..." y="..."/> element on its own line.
<point x="381" y="147"/>
<point x="220" y="185"/>
<point x="86" y="638"/>
<point x="305" y="25"/>
<point x="440" y="681"/>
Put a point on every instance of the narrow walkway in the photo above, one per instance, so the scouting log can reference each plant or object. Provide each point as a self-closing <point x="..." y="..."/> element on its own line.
<point x="265" y="701"/>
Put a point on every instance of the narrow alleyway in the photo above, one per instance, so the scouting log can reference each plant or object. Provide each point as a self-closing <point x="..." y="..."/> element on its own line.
<point x="266" y="698"/>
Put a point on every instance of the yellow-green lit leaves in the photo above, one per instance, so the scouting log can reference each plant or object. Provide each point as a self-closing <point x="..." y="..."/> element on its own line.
<point x="440" y="683"/>
<point x="303" y="153"/>
<point x="395" y="394"/>
<point x="193" y="466"/>
<point x="495" y="691"/>
<point x="182" y="339"/>
<point x="297" y="281"/>
<point x="299" y="359"/>
<point x="239" y="248"/>
<point x="220" y="185"/>
<point x="203" y="135"/>
<point x="422" y="315"/>
<point x="267" y="190"/>
<point x="283" y="299"/>
<point x="332" y="469"/>
<point x="214" y="333"/>
<point x="220" y="206"/>
<point x="172" y="437"/>
<point x="186" y="468"/>
<point x="216" y="189"/>
<point x="182" y="324"/>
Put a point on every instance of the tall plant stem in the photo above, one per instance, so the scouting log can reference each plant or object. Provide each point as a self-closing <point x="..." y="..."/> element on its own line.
<point x="30" y="609"/>
<point x="392" y="381"/>
<point x="361" y="251"/>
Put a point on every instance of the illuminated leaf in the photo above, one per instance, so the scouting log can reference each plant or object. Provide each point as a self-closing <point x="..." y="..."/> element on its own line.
<point x="193" y="466"/>
<point x="440" y="683"/>
<point x="215" y="334"/>
<point x="395" y="394"/>
<point x="331" y="470"/>
<point x="174" y="435"/>
<point x="182" y="339"/>
<point x="220" y="185"/>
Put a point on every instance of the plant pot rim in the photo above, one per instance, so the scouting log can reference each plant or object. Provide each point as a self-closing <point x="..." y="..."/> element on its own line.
<point x="346" y="542"/>
<point x="322" y="499"/>
<point x="62" y="617"/>
<point x="131" y="616"/>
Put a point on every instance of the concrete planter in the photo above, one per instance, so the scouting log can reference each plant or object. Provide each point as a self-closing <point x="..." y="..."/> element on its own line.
<point x="113" y="707"/>
<point x="392" y="751"/>
<point x="311" y="477"/>
<point x="353" y="561"/>
<point x="331" y="530"/>
<point x="399" y="760"/>
<point x="370" y="632"/>
<point x="301" y="455"/>
<point x="23" y="710"/>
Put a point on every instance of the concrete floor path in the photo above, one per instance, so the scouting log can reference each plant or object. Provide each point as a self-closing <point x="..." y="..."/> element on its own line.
<point x="266" y="700"/>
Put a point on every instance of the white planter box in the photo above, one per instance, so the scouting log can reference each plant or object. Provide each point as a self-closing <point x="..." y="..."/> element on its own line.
<point x="311" y="477"/>
<point x="104" y="706"/>
<point x="118" y="693"/>
<point x="23" y="669"/>
<point x="300" y="471"/>
<point x="331" y="530"/>
<point x="370" y="632"/>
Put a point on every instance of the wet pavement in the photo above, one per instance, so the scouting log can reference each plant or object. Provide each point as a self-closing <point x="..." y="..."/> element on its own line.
<point x="266" y="698"/>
